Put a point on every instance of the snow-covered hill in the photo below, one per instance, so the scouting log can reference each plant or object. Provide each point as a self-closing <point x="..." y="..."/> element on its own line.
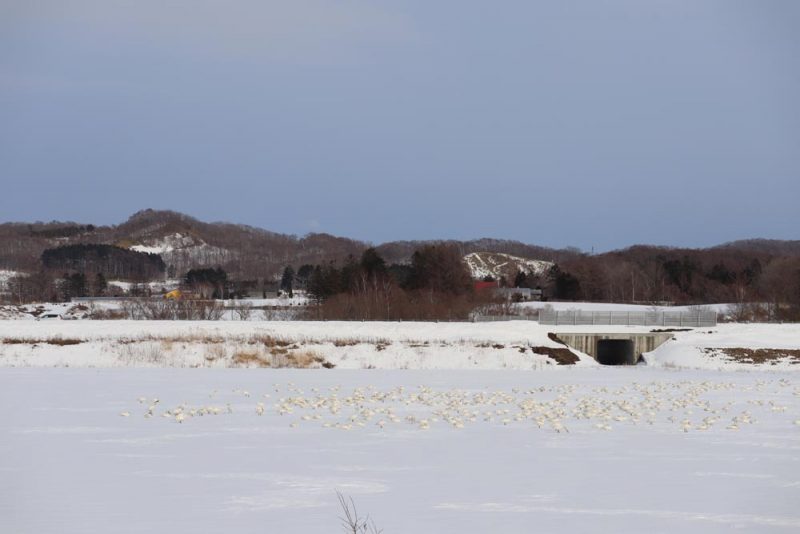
<point x="499" y="265"/>
<point x="184" y="251"/>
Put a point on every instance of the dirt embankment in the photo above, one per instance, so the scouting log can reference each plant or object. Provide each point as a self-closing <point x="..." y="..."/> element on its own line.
<point x="755" y="356"/>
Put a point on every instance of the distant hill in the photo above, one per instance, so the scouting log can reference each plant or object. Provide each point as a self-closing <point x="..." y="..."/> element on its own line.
<point x="773" y="247"/>
<point x="759" y="269"/>
<point x="184" y="242"/>
<point x="401" y="251"/>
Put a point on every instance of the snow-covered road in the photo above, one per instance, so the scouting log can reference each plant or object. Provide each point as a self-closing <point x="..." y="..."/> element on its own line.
<point x="582" y="450"/>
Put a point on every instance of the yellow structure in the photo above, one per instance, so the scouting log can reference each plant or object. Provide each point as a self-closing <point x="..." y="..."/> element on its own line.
<point x="175" y="294"/>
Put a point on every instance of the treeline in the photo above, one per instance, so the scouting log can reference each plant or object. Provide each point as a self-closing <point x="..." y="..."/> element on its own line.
<point x="44" y="286"/>
<point x="682" y="276"/>
<point x="109" y="260"/>
<point x="436" y="285"/>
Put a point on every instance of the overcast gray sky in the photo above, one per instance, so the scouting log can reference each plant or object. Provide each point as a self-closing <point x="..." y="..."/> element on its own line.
<point x="593" y="124"/>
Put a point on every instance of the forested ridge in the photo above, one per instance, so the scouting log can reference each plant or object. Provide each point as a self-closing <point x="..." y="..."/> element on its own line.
<point x="741" y="271"/>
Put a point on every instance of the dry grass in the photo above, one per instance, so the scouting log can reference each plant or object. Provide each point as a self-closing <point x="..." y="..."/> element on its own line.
<point x="300" y="360"/>
<point x="249" y="359"/>
<point x="216" y="352"/>
<point x="270" y="341"/>
<point x="150" y="352"/>
<point x="305" y="359"/>
<point x="278" y="358"/>
<point x="206" y="339"/>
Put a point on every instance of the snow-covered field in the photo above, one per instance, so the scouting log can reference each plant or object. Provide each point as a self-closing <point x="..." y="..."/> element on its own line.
<point x="429" y="427"/>
<point x="587" y="450"/>
<point x="359" y="345"/>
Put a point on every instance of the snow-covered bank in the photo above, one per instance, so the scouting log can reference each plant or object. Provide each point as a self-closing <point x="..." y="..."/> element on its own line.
<point x="361" y="345"/>
<point x="350" y="345"/>
<point x="590" y="450"/>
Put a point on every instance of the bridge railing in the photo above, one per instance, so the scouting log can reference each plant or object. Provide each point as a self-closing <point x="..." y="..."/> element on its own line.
<point x="624" y="318"/>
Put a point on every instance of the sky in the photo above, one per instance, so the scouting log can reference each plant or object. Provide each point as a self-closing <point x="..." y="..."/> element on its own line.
<point x="596" y="124"/>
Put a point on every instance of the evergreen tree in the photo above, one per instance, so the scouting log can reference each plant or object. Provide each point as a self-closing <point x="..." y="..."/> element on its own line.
<point x="324" y="282"/>
<point x="304" y="274"/>
<point x="287" y="280"/>
<point x="73" y="285"/>
<point x="349" y="275"/>
<point x="100" y="285"/>
<point x="372" y="263"/>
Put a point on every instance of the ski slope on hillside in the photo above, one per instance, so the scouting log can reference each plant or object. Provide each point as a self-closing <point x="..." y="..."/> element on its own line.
<point x="498" y="265"/>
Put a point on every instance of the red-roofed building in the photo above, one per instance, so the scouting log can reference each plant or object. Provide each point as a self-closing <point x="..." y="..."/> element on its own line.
<point x="481" y="285"/>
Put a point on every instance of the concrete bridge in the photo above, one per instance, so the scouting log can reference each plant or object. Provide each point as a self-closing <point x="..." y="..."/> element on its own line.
<point x="617" y="352"/>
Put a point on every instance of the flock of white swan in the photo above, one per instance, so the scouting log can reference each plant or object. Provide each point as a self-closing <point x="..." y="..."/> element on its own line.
<point x="687" y="406"/>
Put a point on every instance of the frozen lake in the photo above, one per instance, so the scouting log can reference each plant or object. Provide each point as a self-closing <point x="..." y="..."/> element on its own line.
<point x="572" y="450"/>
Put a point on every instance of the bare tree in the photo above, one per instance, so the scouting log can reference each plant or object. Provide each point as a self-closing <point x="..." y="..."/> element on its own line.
<point x="352" y="523"/>
<point x="243" y="311"/>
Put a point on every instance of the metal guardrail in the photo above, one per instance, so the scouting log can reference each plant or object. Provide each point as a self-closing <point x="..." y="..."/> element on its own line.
<point x="622" y="318"/>
<point x="496" y="318"/>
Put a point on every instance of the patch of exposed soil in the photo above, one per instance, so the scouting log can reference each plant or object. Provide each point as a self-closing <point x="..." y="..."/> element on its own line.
<point x="756" y="356"/>
<point x="561" y="356"/>
<point x="50" y="341"/>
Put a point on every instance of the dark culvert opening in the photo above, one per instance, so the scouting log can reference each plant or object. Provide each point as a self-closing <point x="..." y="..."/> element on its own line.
<point x="616" y="352"/>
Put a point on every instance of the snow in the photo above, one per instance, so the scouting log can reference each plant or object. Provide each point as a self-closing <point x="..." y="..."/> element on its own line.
<point x="179" y="248"/>
<point x="688" y="350"/>
<point x="296" y="300"/>
<point x="41" y="311"/>
<point x="361" y="345"/>
<point x="348" y="345"/>
<point x="670" y="460"/>
<point x="5" y="276"/>
<point x="166" y="244"/>
<point x="168" y="284"/>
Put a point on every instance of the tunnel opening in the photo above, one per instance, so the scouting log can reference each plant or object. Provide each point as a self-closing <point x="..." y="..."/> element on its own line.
<point x="616" y="352"/>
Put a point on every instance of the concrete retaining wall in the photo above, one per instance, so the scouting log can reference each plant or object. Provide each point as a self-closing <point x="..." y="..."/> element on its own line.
<point x="588" y="342"/>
